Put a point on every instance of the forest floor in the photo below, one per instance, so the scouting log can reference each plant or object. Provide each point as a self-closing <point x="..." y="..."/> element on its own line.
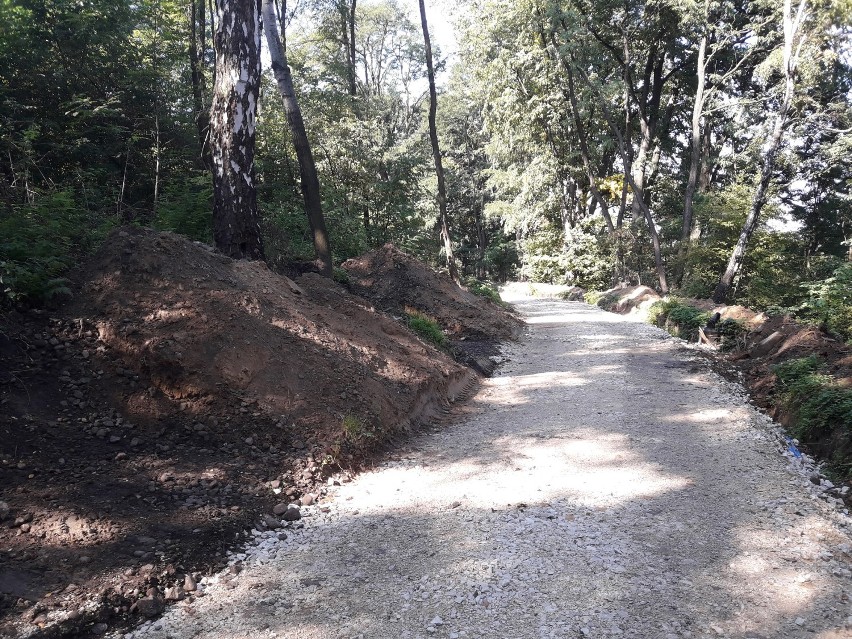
<point x="182" y="399"/>
<point x="606" y="482"/>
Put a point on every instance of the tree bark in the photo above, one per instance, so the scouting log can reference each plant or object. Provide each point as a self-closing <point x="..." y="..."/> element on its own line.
<point x="233" y="115"/>
<point x="584" y="151"/>
<point x="694" y="160"/>
<point x="347" y="29"/>
<point x="436" y="150"/>
<point x="307" y="167"/>
<point x="197" y="24"/>
<point x="792" y="26"/>
<point x="638" y="199"/>
<point x="705" y="173"/>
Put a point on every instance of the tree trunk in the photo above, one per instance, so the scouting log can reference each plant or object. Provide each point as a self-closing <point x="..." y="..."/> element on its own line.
<point x="233" y="115"/>
<point x="694" y="161"/>
<point x="197" y="24"/>
<point x="705" y="173"/>
<point x="792" y="25"/>
<point x="307" y="168"/>
<point x="353" y="88"/>
<point x="436" y="150"/>
<point x="584" y="150"/>
<point x="347" y="30"/>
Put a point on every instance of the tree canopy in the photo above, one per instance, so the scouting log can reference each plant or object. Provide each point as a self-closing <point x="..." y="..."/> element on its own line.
<point x="587" y="143"/>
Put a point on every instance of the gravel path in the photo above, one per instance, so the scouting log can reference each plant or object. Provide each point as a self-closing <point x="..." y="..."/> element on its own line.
<point x="604" y="484"/>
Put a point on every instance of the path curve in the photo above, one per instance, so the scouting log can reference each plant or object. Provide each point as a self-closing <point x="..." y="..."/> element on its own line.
<point x="605" y="484"/>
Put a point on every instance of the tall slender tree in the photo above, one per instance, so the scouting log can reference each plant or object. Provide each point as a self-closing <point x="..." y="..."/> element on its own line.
<point x="436" y="150"/>
<point x="307" y="167"/>
<point x="233" y="116"/>
<point x="793" y="41"/>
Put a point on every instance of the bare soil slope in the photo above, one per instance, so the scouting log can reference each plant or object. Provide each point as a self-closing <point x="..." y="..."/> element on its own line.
<point x="169" y="408"/>
<point x="394" y="281"/>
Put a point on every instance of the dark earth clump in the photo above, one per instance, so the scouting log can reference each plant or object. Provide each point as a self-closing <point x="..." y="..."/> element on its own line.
<point x="396" y="282"/>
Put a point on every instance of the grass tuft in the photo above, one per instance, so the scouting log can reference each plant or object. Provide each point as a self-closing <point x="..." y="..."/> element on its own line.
<point x="426" y="327"/>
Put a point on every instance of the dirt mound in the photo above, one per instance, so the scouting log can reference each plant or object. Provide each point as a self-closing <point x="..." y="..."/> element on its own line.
<point x="195" y="323"/>
<point x="628" y="300"/>
<point x="394" y="282"/>
<point x="168" y="409"/>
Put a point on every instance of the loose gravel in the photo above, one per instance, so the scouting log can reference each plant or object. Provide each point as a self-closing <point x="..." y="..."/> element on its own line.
<point x="606" y="484"/>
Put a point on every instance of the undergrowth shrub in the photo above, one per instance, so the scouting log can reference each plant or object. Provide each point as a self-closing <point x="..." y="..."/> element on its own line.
<point x="340" y="275"/>
<point x="602" y="299"/>
<point x="39" y="242"/>
<point x="730" y="330"/>
<point x="592" y="297"/>
<point x="483" y="289"/>
<point x="829" y="302"/>
<point x="354" y="428"/>
<point x="679" y="319"/>
<point x="426" y="327"/>
<point x="819" y="403"/>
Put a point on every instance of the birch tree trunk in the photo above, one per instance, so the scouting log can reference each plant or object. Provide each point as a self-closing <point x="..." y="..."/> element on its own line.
<point x="307" y="167"/>
<point x="233" y="116"/>
<point x="436" y="150"/>
<point x="793" y="41"/>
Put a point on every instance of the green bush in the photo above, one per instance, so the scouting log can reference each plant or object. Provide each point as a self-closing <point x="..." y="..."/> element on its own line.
<point x="593" y="297"/>
<point x="829" y="302"/>
<point x="819" y="403"/>
<point x="730" y="331"/>
<point x="340" y="275"/>
<point x="354" y="428"/>
<point x="39" y="242"/>
<point x="483" y="289"/>
<point x="679" y="319"/>
<point x="185" y="208"/>
<point x="426" y="327"/>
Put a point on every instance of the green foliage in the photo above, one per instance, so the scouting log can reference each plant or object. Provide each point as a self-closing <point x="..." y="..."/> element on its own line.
<point x="679" y="319"/>
<point x="186" y="206"/>
<point x="38" y="243"/>
<point x="818" y="402"/>
<point x="829" y="302"/>
<point x="340" y="275"/>
<point x="731" y="331"/>
<point x="583" y="256"/>
<point x="354" y="429"/>
<point x="426" y="327"/>
<point x="719" y="216"/>
<point x="593" y="297"/>
<point x="483" y="289"/>
<point x="772" y="272"/>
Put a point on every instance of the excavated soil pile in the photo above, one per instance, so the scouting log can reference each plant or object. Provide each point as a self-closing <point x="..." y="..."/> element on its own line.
<point x="175" y="402"/>
<point x="628" y="300"/>
<point x="394" y="282"/>
<point x="771" y="341"/>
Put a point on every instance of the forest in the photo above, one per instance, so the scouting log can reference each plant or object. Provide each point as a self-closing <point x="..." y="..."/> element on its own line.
<point x="250" y="248"/>
<point x="695" y="146"/>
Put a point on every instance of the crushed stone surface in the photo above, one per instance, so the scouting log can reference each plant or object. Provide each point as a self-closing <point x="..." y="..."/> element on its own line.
<point x="606" y="484"/>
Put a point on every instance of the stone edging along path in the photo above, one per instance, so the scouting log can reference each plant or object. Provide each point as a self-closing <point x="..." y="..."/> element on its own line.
<point x="605" y="483"/>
